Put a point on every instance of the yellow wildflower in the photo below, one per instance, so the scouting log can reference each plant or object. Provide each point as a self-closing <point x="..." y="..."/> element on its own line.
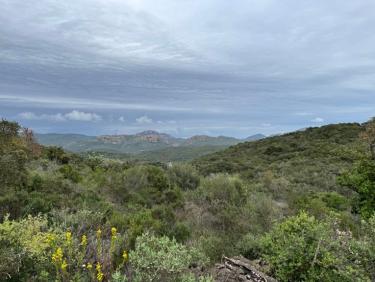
<point x="57" y="256"/>
<point x="125" y="256"/>
<point x="114" y="232"/>
<point x="50" y="239"/>
<point x="68" y="236"/>
<point x="99" y="233"/>
<point x="64" y="265"/>
<point x="99" y="274"/>
<point x="89" y="266"/>
<point x="84" y="240"/>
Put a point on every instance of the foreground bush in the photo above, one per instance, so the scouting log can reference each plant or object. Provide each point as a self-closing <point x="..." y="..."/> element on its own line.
<point x="24" y="249"/>
<point x="161" y="259"/>
<point x="32" y="251"/>
<point x="305" y="249"/>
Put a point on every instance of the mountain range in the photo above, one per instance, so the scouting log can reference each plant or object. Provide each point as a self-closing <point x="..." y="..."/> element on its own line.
<point x="147" y="145"/>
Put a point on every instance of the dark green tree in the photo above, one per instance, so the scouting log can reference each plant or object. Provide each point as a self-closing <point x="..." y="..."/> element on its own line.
<point x="362" y="180"/>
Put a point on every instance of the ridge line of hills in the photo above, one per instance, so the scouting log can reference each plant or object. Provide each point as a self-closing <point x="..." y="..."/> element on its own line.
<point x="146" y="145"/>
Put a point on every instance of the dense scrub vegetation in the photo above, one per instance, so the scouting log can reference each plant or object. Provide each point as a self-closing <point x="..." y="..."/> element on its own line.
<point x="302" y="204"/>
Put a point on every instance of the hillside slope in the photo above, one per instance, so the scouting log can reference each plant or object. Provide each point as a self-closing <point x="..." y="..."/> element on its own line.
<point x="309" y="159"/>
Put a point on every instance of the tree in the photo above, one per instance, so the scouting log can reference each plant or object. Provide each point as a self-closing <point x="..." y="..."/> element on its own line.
<point x="8" y="129"/>
<point x="13" y="155"/>
<point x="362" y="180"/>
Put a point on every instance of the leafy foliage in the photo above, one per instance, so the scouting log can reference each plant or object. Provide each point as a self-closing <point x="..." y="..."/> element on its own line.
<point x="320" y="154"/>
<point x="161" y="259"/>
<point x="304" y="249"/>
<point x="244" y="200"/>
<point x="362" y="180"/>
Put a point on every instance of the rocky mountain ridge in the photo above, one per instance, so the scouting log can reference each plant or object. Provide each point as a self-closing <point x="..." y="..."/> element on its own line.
<point x="146" y="141"/>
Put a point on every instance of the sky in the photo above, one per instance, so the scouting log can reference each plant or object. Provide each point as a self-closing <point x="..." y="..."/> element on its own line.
<point x="186" y="67"/>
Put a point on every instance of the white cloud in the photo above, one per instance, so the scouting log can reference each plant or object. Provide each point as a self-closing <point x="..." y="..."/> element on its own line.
<point x="33" y="116"/>
<point x="317" y="120"/>
<point x="144" y="120"/>
<point x="82" y="116"/>
<point x="73" y="115"/>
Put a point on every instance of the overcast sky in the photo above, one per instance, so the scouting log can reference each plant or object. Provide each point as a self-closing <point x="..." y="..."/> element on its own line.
<point x="186" y="67"/>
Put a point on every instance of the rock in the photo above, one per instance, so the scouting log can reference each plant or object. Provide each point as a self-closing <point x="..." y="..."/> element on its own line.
<point x="238" y="269"/>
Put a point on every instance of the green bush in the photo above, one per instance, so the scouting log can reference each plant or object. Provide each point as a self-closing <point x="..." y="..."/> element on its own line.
<point x="57" y="154"/>
<point x="24" y="248"/>
<point x="184" y="176"/>
<point x="321" y="204"/>
<point x="304" y="249"/>
<point x="161" y="259"/>
<point x="147" y="185"/>
<point x="70" y="173"/>
<point x="214" y="246"/>
<point x="249" y="246"/>
<point x="362" y="180"/>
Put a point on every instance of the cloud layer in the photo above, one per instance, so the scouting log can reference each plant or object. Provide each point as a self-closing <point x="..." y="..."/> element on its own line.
<point x="215" y="66"/>
<point x="71" y="116"/>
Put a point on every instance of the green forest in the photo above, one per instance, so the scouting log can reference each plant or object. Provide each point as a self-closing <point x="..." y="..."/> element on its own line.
<point x="299" y="206"/>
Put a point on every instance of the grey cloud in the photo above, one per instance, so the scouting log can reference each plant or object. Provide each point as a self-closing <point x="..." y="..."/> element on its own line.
<point x="212" y="66"/>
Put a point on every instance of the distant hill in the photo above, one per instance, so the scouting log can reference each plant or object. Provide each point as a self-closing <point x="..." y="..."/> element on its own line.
<point x="146" y="145"/>
<point x="255" y="137"/>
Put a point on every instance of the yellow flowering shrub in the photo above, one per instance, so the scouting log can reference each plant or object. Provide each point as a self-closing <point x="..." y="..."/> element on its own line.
<point x="28" y="242"/>
<point x="57" y="256"/>
<point x="89" y="257"/>
<point x="54" y="255"/>
<point x="28" y="234"/>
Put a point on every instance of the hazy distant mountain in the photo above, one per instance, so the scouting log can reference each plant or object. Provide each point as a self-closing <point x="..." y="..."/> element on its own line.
<point x="73" y="142"/>
<point x="147" y="143"/>
<point x="255" y="137"/>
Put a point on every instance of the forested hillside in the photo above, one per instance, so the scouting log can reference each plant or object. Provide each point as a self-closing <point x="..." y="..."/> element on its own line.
<point x="302" y="161"/>
<point x="299" y="207"/>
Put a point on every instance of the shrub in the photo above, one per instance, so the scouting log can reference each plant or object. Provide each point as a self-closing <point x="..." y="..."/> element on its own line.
<point x="215" y="246"/>
<point x="223" y="197"/>
<point x="12" y="168"/>
<point x="249" y="246"/>
<point x="362" y="180"/>
<point x="365" y="246"/>
<point x="184" y="176"/>
<point x="24" y="248"/>
<point x="147" y="185"/>
<point x="304" y="249"/>
<point x="161" y="259"/>
<point x="321" y="204"/>
<point x="57" y="154"/>
<point x="70" y="173"/>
